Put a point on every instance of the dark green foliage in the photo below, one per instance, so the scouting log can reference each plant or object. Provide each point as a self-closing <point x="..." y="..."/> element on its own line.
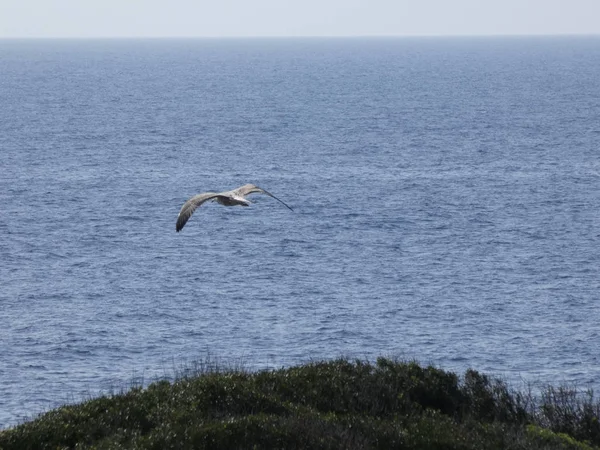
<point x="565" y="410"/>
<point x="325" y="405"/>
<point x="490" y="400"/>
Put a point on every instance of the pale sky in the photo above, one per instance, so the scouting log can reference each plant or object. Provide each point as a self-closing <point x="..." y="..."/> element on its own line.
<point x="236" y="18"/>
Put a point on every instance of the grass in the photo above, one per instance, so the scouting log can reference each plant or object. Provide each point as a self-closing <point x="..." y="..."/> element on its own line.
<point x="326" y="405"/>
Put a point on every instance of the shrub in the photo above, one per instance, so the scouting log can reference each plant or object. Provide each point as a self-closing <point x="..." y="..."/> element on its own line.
<point x="323" y="405"/>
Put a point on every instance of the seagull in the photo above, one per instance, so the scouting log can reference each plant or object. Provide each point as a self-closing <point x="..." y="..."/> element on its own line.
<point x="228" y="198"/>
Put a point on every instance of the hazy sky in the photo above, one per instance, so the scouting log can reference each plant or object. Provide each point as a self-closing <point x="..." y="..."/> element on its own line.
<point x="178" y="18"/>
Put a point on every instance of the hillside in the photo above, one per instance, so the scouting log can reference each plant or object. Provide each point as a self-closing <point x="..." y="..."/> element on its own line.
<point x="325" y="405"/>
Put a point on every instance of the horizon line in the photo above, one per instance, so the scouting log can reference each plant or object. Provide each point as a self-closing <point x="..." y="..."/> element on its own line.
<point x="315" y="36"/>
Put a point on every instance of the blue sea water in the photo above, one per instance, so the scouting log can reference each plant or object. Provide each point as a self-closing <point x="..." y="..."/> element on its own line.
<point x="445" y="193"/>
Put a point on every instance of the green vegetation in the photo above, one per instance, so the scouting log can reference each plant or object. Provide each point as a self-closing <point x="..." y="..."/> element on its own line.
<point x="326" y="405"/>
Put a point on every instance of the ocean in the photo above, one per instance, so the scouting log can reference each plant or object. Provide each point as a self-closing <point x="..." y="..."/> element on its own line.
<point x="445" y="193"/>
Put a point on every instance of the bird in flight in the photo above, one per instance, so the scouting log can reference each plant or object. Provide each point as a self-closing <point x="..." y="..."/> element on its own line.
<point x="228" y="198"/>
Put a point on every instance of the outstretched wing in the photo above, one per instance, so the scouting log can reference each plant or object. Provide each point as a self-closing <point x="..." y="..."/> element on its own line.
<point x="190" y="206"/>
<point x="251" y="189"/>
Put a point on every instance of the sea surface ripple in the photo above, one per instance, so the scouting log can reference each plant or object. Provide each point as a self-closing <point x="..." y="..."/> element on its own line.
<point x="445" y="193"/>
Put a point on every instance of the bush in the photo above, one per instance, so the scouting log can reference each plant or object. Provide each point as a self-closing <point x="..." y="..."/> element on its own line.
<point x="568" y="411"/>
<point x="323" y="405"/>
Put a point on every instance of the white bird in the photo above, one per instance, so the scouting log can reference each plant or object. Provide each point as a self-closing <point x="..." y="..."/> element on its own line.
<point x="228" y="198"/>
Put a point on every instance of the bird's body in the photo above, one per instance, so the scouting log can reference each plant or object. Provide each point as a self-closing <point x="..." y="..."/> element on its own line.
<point x="235" y="197"/>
